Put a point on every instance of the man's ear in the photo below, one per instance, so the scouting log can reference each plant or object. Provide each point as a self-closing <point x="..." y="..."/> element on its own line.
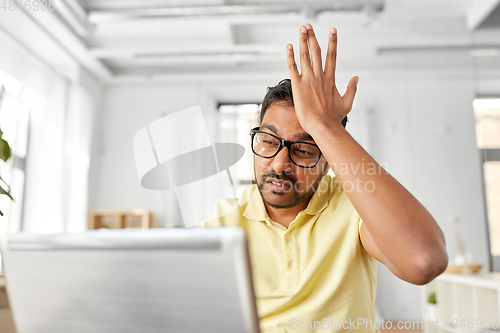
<point x="325" y="170"/>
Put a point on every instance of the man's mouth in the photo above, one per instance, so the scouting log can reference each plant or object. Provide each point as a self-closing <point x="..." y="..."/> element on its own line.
<point x="279" y="185"/>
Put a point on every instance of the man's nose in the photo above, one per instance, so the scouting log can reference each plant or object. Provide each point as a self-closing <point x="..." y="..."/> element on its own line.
<point x="281" y="162"/>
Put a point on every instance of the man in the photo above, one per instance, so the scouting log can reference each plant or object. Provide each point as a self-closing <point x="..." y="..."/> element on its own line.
<point x="314" y="240"/>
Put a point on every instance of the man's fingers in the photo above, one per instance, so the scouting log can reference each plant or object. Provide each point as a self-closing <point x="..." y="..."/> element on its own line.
<point x="305" y="60"/>
<point x="317" y="65"/>
<point x="290" y="60"/>
<point x="348" y="97"/>
<point x="331" y="54"/>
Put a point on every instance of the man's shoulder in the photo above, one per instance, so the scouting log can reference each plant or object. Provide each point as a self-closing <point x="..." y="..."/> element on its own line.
<point x="332" y="196"/>
<point x="226" y="213"/>
<point x="328" y="189"/>
<point x="229" y="212"/>
<point x="331" y="182"/>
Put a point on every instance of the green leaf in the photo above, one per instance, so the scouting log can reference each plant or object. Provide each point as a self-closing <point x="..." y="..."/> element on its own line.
<point x="3" y="181"/>
<point x="6" y="192"/>
<point x="4" y="148"/>
<point x="431" y="298"/>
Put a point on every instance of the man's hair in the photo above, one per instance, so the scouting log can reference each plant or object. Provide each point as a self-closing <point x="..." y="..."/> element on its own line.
<point x="281" y="92"/>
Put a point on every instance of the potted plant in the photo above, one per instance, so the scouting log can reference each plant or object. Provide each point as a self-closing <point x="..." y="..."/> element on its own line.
<point x="5" y="153"/>
<point x="432" y="309"/>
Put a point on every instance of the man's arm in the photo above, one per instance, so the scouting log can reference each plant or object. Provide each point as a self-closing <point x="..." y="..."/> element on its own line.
<point x="397" y="230"/>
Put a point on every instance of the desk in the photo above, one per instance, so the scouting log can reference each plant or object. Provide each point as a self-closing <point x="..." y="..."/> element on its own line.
<point x="6" y="322"/>
<point x="3" y="295"/>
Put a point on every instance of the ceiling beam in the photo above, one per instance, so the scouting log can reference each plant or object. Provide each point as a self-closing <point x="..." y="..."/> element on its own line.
<point x="196" y="50"/>
<point x="75" y="16"/>
<point x="132" y="4"/>
<point x="188" y="60"/>
<point x="52" y="25"/>
<point x="77" y="8"/>
<point x="475" y="50"/>
<point x="309" y="8"/>
<point x="479" y="11"/>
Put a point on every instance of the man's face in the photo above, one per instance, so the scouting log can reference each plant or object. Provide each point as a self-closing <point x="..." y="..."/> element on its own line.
<point x="281" y="183"/>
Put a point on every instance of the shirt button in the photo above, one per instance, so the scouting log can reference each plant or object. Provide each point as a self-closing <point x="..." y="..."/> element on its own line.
<point x="291" y="264"/>
<point x="289" y="238"/>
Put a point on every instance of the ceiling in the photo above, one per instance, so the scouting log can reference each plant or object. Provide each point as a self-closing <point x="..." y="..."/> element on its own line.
<point x="116" y="39"/>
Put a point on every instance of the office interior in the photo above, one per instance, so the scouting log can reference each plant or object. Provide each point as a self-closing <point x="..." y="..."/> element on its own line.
<point x="81" y="77"/>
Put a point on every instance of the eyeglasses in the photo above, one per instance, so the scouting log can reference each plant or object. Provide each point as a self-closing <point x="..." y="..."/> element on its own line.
<point x="302" y="154"/>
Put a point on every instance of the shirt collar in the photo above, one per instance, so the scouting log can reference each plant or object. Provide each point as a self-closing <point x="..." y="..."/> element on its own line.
<point x="256" y="210"/>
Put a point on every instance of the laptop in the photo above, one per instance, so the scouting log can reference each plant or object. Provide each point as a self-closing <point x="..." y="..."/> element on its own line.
<point x="148" y="281"/>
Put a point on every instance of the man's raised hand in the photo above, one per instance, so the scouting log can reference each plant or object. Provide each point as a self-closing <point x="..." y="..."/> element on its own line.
<point x="315" y="95"/>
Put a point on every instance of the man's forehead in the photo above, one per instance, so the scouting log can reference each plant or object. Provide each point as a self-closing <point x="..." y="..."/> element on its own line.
<point x="297" y="136"/>
<point x="280" y="119"/>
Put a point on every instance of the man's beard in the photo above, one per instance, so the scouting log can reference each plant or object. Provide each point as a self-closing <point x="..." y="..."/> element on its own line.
<point x="297" y="197"/>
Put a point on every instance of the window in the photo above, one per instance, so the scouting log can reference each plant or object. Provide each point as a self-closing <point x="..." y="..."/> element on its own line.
<point x="487" y="114"/>
<point x="16" y="102"/>
<point x="236" y="122"/>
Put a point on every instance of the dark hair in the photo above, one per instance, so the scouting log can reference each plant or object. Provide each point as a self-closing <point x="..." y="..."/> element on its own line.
<point x="281" y="92"/>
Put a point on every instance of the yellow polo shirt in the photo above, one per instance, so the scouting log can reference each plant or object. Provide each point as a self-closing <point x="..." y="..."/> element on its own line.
<point x="314" y="276"/>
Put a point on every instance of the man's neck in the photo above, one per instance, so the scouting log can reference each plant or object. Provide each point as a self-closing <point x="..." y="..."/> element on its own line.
<point x="285" y="216"/>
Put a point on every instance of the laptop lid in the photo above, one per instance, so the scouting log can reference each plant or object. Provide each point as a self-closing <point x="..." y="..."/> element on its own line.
<point x="164" y="280"/>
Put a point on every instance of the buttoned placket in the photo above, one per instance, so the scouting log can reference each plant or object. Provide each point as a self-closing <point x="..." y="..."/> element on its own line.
<point x="291" y="257"/>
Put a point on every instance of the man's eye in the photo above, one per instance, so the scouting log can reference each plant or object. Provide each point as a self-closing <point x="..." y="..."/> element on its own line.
<point x="304" y="152"/>
<point x="269" y="142"/>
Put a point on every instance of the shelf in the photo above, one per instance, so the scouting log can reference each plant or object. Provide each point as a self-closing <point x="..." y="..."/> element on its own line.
<point x="468" y="298"/>
<point x="446" y="329"/>
<point x="138" y="218"/>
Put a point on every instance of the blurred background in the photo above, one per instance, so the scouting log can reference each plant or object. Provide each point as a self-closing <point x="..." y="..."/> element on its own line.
<point x="81" y="77"/>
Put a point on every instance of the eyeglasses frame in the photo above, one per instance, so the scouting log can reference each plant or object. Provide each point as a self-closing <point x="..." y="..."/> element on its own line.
<point x="283" y="143"/>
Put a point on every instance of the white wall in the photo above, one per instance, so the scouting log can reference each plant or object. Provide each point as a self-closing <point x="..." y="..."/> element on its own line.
<point x="424" y="127"/>
<point x="127" y="109"/>
<point x="418" y="123"/>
